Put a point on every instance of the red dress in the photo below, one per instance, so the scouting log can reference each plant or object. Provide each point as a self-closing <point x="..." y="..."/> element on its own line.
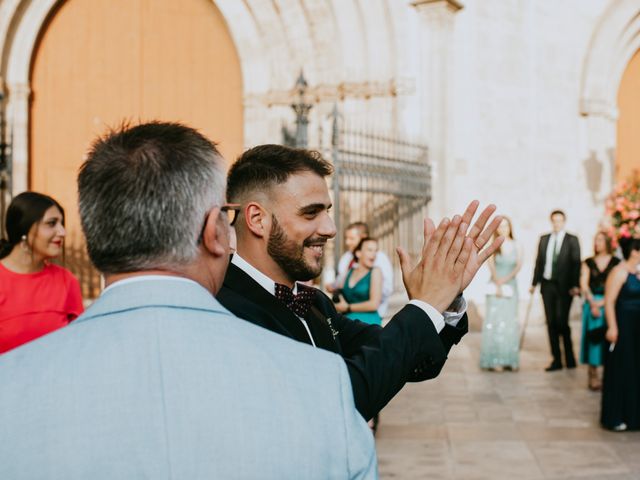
<point x="34" y="304"/>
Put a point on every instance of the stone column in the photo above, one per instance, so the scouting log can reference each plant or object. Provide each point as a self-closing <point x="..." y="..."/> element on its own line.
<point x="18" y="126"/>
<point x="435" y="92"/>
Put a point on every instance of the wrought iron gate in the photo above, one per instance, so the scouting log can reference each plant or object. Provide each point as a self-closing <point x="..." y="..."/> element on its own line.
<point x="383" y="181"/>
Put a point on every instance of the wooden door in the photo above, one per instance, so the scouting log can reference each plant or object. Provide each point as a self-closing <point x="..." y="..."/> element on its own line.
<point x="99" y="62"/>
<point x="628" y="143"/>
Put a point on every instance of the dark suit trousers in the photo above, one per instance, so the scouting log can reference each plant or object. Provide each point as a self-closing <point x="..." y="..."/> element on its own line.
<point x="556" y="308"/>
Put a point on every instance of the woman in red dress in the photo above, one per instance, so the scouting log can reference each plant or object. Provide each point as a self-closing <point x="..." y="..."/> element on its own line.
<point x="36" y="296"/>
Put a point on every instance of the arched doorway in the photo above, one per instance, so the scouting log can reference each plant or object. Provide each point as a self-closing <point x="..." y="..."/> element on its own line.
<point x="99" y="62"/>
<point x="628" y="141"/>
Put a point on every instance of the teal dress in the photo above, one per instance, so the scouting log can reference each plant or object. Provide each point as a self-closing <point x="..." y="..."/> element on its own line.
<point x="592" y="346"/>
<point x="360" y="293"/>
<point x="501" y="330"/>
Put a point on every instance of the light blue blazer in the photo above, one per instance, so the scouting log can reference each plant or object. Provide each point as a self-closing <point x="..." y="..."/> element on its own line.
<point x="157" y="380"/>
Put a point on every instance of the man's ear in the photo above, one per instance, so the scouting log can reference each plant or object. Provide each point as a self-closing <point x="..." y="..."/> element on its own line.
<point x="213" y="239"/>
<point x="257" y="219"/>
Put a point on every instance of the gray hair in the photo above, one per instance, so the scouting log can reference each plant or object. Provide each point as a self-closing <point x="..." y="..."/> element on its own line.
<point x="144" y="192"/>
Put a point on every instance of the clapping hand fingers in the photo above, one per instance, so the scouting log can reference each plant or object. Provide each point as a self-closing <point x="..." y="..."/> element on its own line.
<point x="491" y="249"/>
<point x="463" y="257"/>
<point x="480" y="235"/>
<point x="468" y="214"/>
<point x="437" y="277"/>
<point x="451" y="256"/>
<point x="447" y="244"/>
<point x="455" y="249"/>
<point x="405" y="260"/>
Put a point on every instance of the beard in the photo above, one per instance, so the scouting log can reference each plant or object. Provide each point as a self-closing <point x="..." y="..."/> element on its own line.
<point x="289" y="256"/>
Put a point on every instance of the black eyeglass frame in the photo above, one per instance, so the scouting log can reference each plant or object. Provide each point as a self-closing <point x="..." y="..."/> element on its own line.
<point x="229" y="207"/>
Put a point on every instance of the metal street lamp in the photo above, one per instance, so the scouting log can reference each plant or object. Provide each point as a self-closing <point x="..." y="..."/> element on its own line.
<point x="301" y="108"/>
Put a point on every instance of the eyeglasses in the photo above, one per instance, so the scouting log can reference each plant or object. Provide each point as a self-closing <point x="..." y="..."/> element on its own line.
<point x="232" y="211"/>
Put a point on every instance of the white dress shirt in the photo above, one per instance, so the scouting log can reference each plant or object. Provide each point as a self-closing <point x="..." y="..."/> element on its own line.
<point x="558" y="238"/>
<point x="438" y="319"/>
<point x="266" y="283"/>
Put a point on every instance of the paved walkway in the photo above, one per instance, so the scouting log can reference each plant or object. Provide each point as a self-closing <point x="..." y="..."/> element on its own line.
<point x="473" y="425"/>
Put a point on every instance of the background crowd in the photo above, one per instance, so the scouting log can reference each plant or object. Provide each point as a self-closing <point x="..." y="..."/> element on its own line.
<point x="609" y="284"/>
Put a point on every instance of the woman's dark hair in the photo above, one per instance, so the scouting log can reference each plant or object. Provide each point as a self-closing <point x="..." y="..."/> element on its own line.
<point x="627" y="245"/>
<point x="24" y="211"/>
<point x="608" y="244"/>
<point x="362" y="242"/>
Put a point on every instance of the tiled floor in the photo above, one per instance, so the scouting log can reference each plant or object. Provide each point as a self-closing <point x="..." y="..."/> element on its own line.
<point x="473" y="425"/>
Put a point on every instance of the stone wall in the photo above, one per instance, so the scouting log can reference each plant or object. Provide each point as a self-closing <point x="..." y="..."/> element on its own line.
<point x="513" y="96"/>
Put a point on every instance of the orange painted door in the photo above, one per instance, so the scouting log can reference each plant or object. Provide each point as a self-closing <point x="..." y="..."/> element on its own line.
<point x="101" y="62"/>
<point x="628" y="144"/>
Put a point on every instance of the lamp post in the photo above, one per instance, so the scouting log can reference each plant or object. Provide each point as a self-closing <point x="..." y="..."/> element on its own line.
<point x="301" y="107"/>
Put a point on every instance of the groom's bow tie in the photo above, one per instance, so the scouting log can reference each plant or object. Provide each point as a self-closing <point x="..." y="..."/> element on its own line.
<point x="300" y="303"/>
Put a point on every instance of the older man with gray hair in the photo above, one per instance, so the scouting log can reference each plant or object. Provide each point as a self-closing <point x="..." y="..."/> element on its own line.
<point x="157" y="379"/>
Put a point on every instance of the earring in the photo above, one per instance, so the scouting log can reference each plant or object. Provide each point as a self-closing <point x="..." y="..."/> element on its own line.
<point x="25" y="245"/>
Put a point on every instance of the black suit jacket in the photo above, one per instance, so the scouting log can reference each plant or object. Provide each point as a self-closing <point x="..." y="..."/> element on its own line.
<point x="568" y="266"/>
<point x="379" y="360"/>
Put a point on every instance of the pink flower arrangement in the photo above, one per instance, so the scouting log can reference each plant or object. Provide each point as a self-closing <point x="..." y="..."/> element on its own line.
<point x="623" y="207"/>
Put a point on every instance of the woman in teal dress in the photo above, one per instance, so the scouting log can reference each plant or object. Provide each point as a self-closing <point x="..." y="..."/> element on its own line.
<point x="592" y="280"/>
<point x="501" y="329"/>
<point x="362" y="288"/>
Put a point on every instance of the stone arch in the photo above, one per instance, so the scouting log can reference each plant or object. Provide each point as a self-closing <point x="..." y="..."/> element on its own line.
<point x="615" y="40"/>
<point x="26" y="19"/>
<point x="22" y="23"/>
<point x="334" y="40"/>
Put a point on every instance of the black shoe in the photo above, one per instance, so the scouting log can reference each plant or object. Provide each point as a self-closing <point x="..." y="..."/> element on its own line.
<point x="571" y="365"/>
<point x="553" y="367"/>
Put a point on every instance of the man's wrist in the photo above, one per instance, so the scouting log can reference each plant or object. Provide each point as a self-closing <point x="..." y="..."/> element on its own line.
<point x="348" y="310"/>
<point x="432" y="312"/>
<point x="459" y="305"/>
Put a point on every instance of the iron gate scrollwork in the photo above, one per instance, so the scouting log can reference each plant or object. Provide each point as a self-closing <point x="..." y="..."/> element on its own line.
<point x="382" y="180"/>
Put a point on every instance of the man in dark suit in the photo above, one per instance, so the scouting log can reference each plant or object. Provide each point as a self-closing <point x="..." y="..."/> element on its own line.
<point x="558" y="273"/>
<point x="284" y="203"/>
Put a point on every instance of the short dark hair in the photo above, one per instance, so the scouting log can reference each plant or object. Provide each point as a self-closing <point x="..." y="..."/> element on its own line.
<point x="144" y="192"/>
<point x="627" y="245"/>
<point x="25" y="210"/>
<point x="363" y="227"/>
<point x="265" y="166"/>
<point x="558" y="212"/>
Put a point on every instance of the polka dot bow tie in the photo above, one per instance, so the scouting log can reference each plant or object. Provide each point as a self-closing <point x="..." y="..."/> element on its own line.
<point x="300" y="303"/>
